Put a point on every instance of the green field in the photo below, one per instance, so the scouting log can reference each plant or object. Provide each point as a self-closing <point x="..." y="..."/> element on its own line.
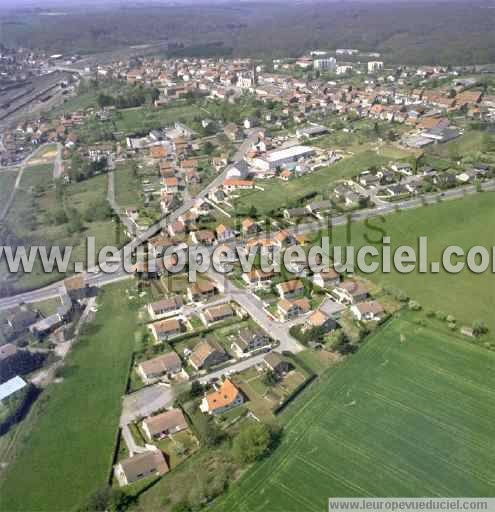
<point x="36" y="175"/>
<point x="29" y="218"/>
<point x="7" y="180"/>
<point x="467" y="222"/>
<point x="280" y="194"/>
<point x="411" y="414"/>
<point x="144" y="118"/>
<point x="127" y="187"/>
<point x="68" y="453"/>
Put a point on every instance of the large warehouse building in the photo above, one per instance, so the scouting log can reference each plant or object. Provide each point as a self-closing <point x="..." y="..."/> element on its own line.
<point x="280" y="157"/>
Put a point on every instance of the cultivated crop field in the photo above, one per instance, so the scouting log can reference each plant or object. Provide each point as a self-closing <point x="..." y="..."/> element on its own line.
<point x="411" y="414"/>
<point x="466" y="222"/>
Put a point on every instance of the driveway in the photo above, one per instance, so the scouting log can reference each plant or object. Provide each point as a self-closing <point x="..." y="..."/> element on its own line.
<point x="234" y="368"/>
<point x="145" y="402"/>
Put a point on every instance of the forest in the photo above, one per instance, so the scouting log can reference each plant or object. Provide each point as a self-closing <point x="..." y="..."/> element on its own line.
<point x="414" y="32"/>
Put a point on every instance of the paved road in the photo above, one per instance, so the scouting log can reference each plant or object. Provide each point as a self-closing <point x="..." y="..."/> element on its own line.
<point x="254" y="306"/>
<point x="237" y="367"/>
<point x="131" y="444"/>
<point x="102" y="279"/>
<point x="145" y="402"/>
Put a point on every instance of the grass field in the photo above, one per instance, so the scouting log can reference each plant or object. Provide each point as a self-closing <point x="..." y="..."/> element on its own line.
<point x="466" y="222"/>
<point x="127" y="187"/>
<point x="279" y="194"/>
<point x="7" y="180"/>
<point x="411" y="414"/>
<point x="144" y="118"/>
<point x="29" y="218"/>
<point x="68" y="453"/>
<point x="35" y="175"/>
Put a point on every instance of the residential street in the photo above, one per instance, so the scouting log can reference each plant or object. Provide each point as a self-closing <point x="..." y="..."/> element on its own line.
<point x="102" y="279"/>
<point x="254" y="306"/>
<point x="237" y="367"/>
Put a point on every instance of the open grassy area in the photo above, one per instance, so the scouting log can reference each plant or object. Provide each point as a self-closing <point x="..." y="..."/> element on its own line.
<point x="144" y="118"/>
<point x="127" y="187"/>
<point x="7" y="180"/>
<point x="280" y="194"/>
<point x="30" y="218"/>
<point x="414" y="402"/>
<point x="470" y="145"/>
<point x="466" y="222"/>
<point x="68" y="453"/>
<point x="36" y="175"/>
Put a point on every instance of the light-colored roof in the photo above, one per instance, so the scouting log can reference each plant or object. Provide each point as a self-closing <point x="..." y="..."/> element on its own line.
<point x="291" y="286"/>
<point x="220" y="311"/>
<point x="7" y="350"/>
<point x="143" y="463"/>
<point x="160" y="364"/>
<point x="170" y="325"/>
<point x="172" y="419"/>
<point x="202" y="287"/>
<point x="317" y="319"/>
<point x="202" y="350"/>
<point x="353" y="287"/>
<point x="223" y="396"/>
<point x="11" y="386"/>
<point x="292" y="152"/>
<point x="373" y="307"/>
<point x="167" y="304"/>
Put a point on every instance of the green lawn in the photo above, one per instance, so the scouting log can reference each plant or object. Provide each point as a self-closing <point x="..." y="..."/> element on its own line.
<point x="68" y="454"/>
<point x="414" y="402"/>
<point x="466" y="222"/>
<point x="280" y="194"/>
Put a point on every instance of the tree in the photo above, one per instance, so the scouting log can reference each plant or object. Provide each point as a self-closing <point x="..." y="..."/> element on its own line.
<point x="75" y="224"/>
<point x="479" y="328"/>
<point x="270" y="378"/>
<point x="107" y="499"/>
<point x="208" y="147"/>
<point x="252" y="443"/>
<point x="196" y="388"/>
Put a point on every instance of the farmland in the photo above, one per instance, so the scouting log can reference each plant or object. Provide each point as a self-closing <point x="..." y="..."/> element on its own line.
<point x="467" y="222"/>
<point x="93" y="381"/>
<point x="414" y="401"/>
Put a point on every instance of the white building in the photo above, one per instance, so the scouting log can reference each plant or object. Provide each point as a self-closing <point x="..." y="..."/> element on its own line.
<point x="280" y="157"/>
<point x="374" y="66"/>
<point x="343" y="69"/>
<point x="325" y="64"/>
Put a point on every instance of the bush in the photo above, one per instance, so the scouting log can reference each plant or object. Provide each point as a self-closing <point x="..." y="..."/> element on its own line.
<point x="441" y="315"/>
<point x="414" y="306"/>
<point x="479" y="328"/>
<point x="252" y="443"/>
